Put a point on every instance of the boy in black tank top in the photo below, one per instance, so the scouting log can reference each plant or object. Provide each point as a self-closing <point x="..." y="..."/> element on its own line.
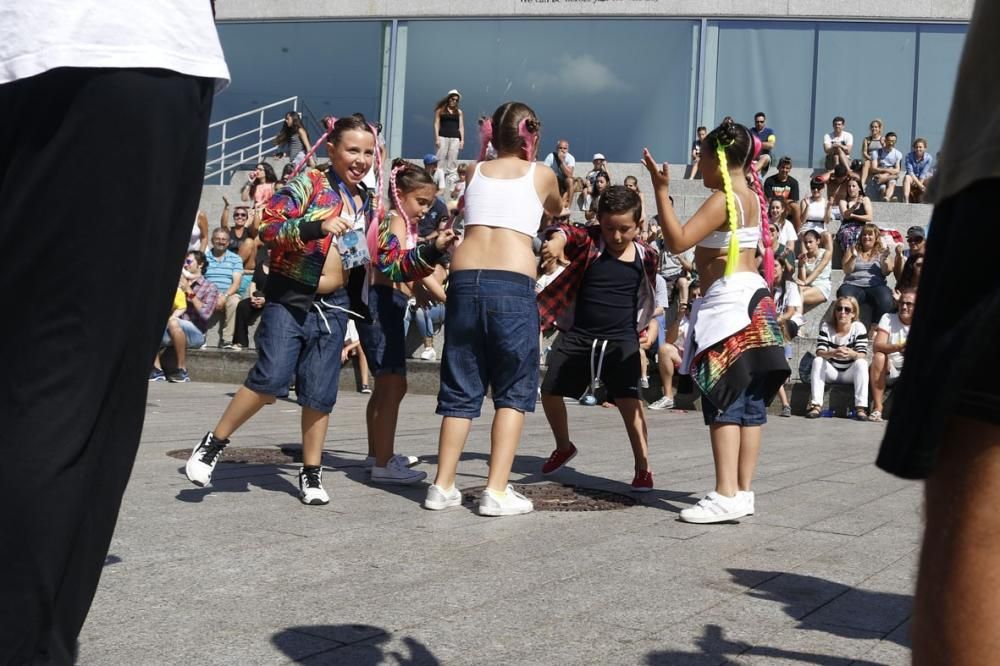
<point x="603" y="299"/>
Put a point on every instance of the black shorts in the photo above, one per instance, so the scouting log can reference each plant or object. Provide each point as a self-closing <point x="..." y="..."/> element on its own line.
<point x="952" y="363"/>
<point x="569" y="366"/>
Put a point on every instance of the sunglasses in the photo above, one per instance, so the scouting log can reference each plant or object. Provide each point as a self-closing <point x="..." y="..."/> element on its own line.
<point x="844" y="309"/>
<point x="238" y="216"/>
<point x="188" y="261"/>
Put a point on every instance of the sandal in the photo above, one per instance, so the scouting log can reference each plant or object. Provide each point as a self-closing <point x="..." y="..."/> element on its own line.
<point x="813" y="412"/>
<point x="875" y="416"/>
<point x="861" y="414"/>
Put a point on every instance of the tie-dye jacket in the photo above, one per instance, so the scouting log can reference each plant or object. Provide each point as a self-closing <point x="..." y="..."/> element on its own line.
<point x="401" y="265"/>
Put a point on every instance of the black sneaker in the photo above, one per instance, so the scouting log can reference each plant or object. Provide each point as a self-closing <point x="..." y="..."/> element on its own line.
<point x="203" y="459"/>
<point x="311" y="486"/>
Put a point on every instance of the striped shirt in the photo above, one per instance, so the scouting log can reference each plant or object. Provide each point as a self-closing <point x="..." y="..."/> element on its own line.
<point x="856" y="339"/>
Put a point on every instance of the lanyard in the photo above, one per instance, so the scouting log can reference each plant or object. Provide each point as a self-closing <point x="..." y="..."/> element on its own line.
<point x="346" y="196"/>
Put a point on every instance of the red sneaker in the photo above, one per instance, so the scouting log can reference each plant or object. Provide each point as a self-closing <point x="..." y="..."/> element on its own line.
<point x="643" y="482"/>
<point x="558" y="459"/>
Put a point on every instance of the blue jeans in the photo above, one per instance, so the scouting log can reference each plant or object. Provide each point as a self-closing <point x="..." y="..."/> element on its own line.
<point x="384" y="340"/>
<point x="490" y="340"/>
<point x="306" y="345"/>
<point x="195" y="338"/>
<point x="425" y="318"/>
<point x="878" y="297"/>
<point x="750" y="409"/>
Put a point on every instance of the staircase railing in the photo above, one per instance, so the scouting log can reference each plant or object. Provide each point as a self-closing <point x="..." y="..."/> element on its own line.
<point x="244" y="139"/>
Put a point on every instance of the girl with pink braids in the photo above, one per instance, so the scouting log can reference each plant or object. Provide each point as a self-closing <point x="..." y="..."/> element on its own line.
<point x="397" y="259"/>
<point x="491" y="320"/>
<point x="734" y="349"/>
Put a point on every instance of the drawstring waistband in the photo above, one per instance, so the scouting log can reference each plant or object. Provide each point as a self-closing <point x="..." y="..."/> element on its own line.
<point x="322" y="305"/>
<point x="595" y="374"/>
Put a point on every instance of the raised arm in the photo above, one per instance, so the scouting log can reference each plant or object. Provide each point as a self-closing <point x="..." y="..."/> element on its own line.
<point x="203" y="228"/>
<point x="224" y="218"/>
<point x="679" y="238"/>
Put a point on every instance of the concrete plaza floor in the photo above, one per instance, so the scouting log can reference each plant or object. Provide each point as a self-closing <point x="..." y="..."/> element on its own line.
<point x="242" y="573"/>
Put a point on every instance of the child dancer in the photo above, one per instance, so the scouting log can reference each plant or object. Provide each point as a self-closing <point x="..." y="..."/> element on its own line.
<point x="491" y="319"/>
<point x="734" y="349"/>
<point x="304" y="320"/>
<point x="601" y="302"/>
<point x="412" y="192"/>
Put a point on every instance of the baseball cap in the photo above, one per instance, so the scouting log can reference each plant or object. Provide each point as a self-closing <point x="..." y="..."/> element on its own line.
<point x="598" y="156"/>
<point x="915" y="232"/>
<point x="430" y="158"/>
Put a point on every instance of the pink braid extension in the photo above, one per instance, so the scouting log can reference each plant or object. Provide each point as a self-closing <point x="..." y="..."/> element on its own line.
<point x="485" y="136"/>
<point x="328" y="121"/>
<point x="397" y="204"/>
<point x="765" y="232"/>
<point x="529" y="137"/>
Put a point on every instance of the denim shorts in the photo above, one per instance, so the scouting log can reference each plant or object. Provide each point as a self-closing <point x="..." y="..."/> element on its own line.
<point x="304" y="345"/>
<point x="490" y="340"/>
<point x="195" y="338"/>
<point x="383" y="340"/>
<point x="749" y="409"/>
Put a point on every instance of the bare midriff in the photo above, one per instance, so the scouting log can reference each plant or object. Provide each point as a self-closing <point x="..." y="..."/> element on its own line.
<point x="711" y="264"/>
<point x="492" y="248"/>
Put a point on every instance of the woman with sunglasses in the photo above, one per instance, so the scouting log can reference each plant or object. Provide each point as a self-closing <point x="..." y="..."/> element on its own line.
<point x="449" y="135"/>
<point x="841" y="357"/>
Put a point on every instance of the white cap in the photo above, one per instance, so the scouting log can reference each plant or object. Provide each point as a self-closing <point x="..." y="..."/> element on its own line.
<point x="454" y="92"/>
<point x="598" y="156"/>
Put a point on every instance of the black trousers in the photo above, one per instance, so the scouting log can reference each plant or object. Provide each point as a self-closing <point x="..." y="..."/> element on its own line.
<point x="246" y="316"/>
<point x="100" y="175"/>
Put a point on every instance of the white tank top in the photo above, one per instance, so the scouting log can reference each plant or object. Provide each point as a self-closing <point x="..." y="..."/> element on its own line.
<point x="195" y="242"/>
<point x="504" y="203"/>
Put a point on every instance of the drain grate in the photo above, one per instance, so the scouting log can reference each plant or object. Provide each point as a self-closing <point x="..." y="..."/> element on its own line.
<point x="249" y="455"/>
<point x="558" y="497"/>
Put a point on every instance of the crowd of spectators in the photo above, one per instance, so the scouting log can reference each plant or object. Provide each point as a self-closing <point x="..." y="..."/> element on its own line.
<point x="234" y="265"/>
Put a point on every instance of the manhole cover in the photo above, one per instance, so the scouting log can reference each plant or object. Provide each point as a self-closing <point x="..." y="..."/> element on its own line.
<point x="557" y="497"/>
<point x="249" y="455"/>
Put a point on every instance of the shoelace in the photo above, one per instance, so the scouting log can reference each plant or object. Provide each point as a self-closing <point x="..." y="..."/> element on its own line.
<point x="312" y="477"/>
<point x="213" y="449"/>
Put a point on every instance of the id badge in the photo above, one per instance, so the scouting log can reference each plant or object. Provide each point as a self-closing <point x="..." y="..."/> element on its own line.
<point x="353" y="246"/>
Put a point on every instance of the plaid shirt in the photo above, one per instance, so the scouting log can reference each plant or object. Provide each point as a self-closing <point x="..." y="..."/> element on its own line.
<point x="557" y="302"/>
<point x="208" y="294"/>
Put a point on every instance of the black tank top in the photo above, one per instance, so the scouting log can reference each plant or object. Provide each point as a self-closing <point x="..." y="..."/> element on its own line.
<point x="608" y="299"/>
<point x="448" y="126"/>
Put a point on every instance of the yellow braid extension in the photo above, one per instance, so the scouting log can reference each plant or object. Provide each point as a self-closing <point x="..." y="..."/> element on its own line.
<point x="733" y="256"/>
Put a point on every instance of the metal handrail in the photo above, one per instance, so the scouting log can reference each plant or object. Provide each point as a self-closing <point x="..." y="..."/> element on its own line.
<point x="245" y="152"/>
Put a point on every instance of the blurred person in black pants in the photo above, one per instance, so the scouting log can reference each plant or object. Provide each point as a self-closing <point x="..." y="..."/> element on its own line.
<point x="90" y="273"/>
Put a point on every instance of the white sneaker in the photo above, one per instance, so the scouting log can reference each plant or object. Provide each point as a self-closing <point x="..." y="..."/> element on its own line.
<point x="438" y="499"/>
<point x="397" y="472"/>
<point x="644" y="382"/>
<point x="408" y="461"/>
<point x="203" y="459"/>
<point x="662" y="403"/>
<point x="511" y="503"/>
<point x="311" y="486"/>
<point x="428" y="354"/>
<point x="748" y="497"/>
<point x="715" y="508"/>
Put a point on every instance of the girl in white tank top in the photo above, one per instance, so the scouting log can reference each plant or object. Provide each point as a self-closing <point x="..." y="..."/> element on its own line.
<point x="491" y="320"/>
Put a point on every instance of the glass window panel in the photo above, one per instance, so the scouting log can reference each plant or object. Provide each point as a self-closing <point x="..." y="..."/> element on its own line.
<point x="937" y="69"/>
<point x="766" y="67"/>
<point x="608" y="86"/>
<point x="864" y="71"/>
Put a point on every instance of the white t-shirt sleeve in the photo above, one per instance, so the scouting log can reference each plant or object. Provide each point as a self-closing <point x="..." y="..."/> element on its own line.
<point x="570" y="160"/>
<point x="793" y="297"/>
<point x="847" y="139"/>
<point x="548" y="160"/>
<point x="827" y="141"/>
<point x="662" y="295"/>
<point x="885" y="323"/>
<point x="787" y="233"/>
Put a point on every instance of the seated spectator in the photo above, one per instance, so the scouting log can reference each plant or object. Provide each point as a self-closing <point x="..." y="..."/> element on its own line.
<point x="286" y="174"/>
<point x="431" y="166"/>
<point x="837" y="145"/>
<point x="434" y="220"/>
<point x="837" y="182"/>
<point x="242" y="238"/>
<point x="677" y="269"/>
<point x="816" y="213"/>
<point x="601" y="183"/>
<point x="666" y="354"/>
<point x="919" y="168"/>
<point x="814" y="271"/>
<point x="581" y="193"/>
<point x="225" y="271"/>
<point x="886" y="167"/>
<point x="701" y="133"/>
<point x="777" y="213"/>
<point x="259" y="187"/>
<point x="427" y="309"/>
<point x="841" y="357"/>
<point x="856" y="212"/>
<point x="889" y="346"/>
<point x="458" y="191"/>
<point x="870" y="146"/>
<point x="653" y="338"/>
<point x="788" y="303"/>
<point x="865" y="267"/>
<point x="189" y="319"/>
<point x="909" y="276"/>
<point x="600" y="164"/>
<point x="767" y="140"/>
<point x="249" y="309"/>
<point x="915" y="240"/>
<point x="632" y="183"/>
<point x="781" y="185"/>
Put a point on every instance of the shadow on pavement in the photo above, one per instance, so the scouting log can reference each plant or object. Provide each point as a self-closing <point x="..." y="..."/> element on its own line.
<point x="356" y="644"/>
